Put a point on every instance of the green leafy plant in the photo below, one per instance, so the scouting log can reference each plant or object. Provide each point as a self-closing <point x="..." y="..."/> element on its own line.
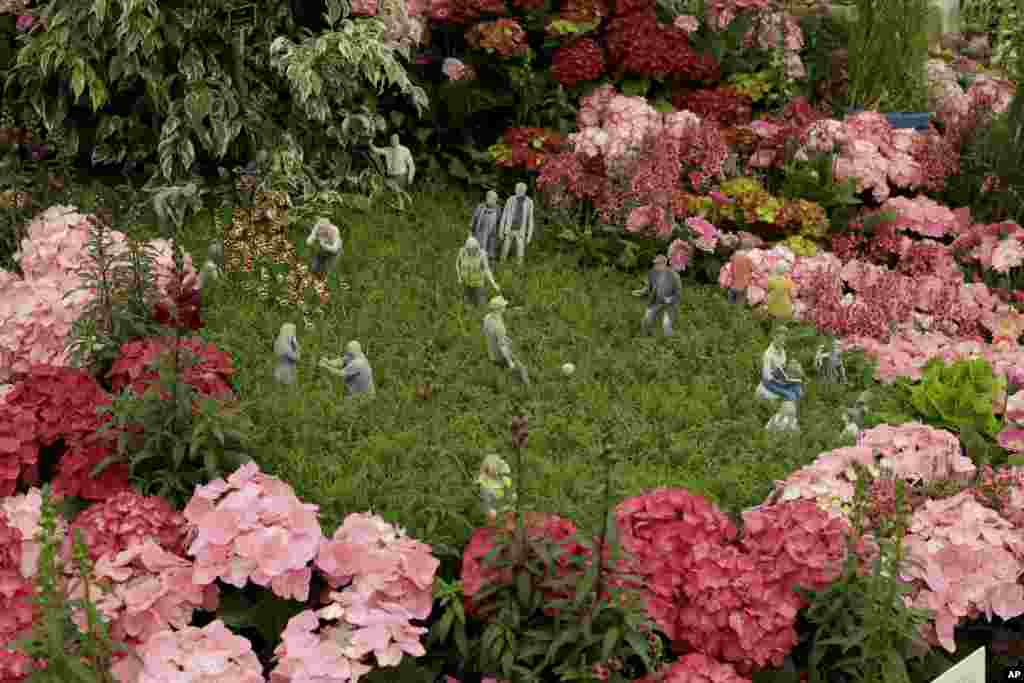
<point x="863" y="630"/>
<point x="69" y="654"/>
<point x="887" y="54"/>
<point x="958" y="397"/>
<point x="815" y="180"/>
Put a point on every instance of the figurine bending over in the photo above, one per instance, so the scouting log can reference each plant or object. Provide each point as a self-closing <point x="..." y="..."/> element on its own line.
<point x="354" y="368"/>
<point x="499" y="346"/>
<point x="327" y="241"/>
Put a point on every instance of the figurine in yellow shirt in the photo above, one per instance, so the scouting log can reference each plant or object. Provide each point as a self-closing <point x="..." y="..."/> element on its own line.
<point x="780" y="293"/>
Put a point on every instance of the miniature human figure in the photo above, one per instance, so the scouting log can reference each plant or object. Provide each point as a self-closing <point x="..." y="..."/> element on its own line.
<point x="779" y="381"/>
<point x="830" y="363"/>
<point x="784" y="420"/>
<point x="742" y="271"/>
<point x="496" y="492"/>
<point x="354" y="368"/>
<point x="517" y="223"/>
<point x="211" y="270"/>
<point x="499" y="346"/>
<point x="484" y="227"/>
<point x="664" y="289"/>
<point x="401" y="167"/>
<point x="473" y="269"/>
<point x="780" y="292"/>
<point x="326" y="239"/>
<point x="286" y="347"/>
<point x="851" y="428"/>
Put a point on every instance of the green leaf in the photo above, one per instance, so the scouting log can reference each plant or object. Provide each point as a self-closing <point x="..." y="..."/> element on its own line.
<point x="105" y="463"/>
<point x="611" y="639"/>
<point x="640" y="647"/>
<point x="458" y="169"/>
<point x="78" y="79"/>
<point x="523" y="587"/>
<point x="445" y="626"/>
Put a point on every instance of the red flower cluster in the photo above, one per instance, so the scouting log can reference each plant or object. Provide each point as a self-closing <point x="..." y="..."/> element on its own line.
<point x="506" y="37"/>
<point x="881" y="501"/>
<point x="528" y="148"/>
<point x="792" y="125"/>
<point x="463" y="12"/>
<point x="723" y="105"/>
<point x="128" y="518"/>
<point x="476" y="575"/>
<point x="626" y="7"/>
<point x="733" y="602"/>
<point x="207" y="368"/>
<point x="640" y="44"/>
<point x="16" y="606"/>
<point x="696" y="668"/>
<point x="939" y="159"/>
<point x="577" y="62"/>
<point x="529" y="5"/>
<point x="74" y="472"/>
<point x="16" y="667"/>
<point x="583" y="11"/>
<point x="51" y="405"/>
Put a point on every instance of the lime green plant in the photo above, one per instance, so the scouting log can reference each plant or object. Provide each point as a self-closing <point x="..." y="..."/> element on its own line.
<point x="756" y="86"/>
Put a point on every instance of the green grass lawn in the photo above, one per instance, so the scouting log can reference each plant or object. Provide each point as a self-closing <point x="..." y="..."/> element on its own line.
<point x="678" y="412"/>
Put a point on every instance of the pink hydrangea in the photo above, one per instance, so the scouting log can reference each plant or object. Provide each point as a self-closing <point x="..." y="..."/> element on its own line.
<point x="252" y="527"/>
<point x="707" y="234"/>
<point x="687" y="23"/>
<point x="964" y="561"/>
<point x="22" y="512"/>
<point x="211" y="654"/>
<point x="921" y="215"/>
<point x="696" y="668"/>
<point x="312" y="651"/>
<point x="142" y="591"/>
<point x="679" y="253"/>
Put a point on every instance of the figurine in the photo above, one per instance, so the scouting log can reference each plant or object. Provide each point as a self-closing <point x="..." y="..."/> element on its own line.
<point x="401" y="167"/>
<point x="354" y="368"/>
<point x="742" y="271"/>
<point x="327" y="240"/>
<point x="287" y="349"/>
<point x="779" y="380"/>
<point x="211" y="270"/>
<point x="830" y="363"/>
<point x="785" y="419"/>
<point x="496" y="491"/>
<point x="484" y="227"/>
<point x="780" y="292"/>
<point x="499" y="346"/>
<point x="851" y="428"/>
<point x="517" y="223"/>
<point x="473" y="269"/>
<point x="664" y="289"/>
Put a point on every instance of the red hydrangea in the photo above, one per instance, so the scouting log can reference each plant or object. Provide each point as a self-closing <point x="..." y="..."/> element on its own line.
<point x="724" y="105"/>
<point x="49" y="405"/>
<point x="463" y="12"/>
<point x="696" y="668"/>
<point x="16" y="592"/>
<point x="776" y="136"/>
<point x="209" y="374"/>
<point x="527" y="148"/>
<point x="74" y="471"/>
<point x="16" y="667"/>
<point x="638" y="43"/>
<point x="129" y="518"/>
<point x="583" y="11"/>
<point x="577" y="62"/>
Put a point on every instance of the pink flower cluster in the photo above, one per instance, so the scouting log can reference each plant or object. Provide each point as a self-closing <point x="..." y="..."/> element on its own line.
<point x="734" y="602"/>
<point x="129" y="519"/>
<point x="994" y="246"/>
<point x="964" y="560"/>
<point x="706" y="234"/>
<point x="915" y="453"/>
<point x="722" y="12"/>
<point x="22" y="512"/>
<point x="922" y="215"/>
<point x="16" y="591"/>
<point x="385" y="580"/>
<point x="211" y="654"/>
<point x="252" y="527"/>
<point x="38" y="310"/>
<point x="696" y="668"/>
<point x="142" y="591"/>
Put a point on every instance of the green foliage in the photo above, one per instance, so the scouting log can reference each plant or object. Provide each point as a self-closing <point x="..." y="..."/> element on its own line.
<point x="814" y="180"/>
<point x="863" y="631"/>
<point x="824" y="33"/>
<point x="121" y="307"/>
<point x="172" y="438"/>
<point x="70" y="655"/>
<point x="958" y="397"/>
<point x="201" y="80"/>
<point x="887" y="54"/>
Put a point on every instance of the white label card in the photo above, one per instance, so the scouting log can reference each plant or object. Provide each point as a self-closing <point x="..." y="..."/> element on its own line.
<point x="968" y="670"/>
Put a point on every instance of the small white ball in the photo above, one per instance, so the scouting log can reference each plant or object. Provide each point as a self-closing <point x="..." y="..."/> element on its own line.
<point x="568" y="369"/>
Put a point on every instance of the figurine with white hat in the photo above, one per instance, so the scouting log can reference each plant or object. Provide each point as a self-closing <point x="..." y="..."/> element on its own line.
<point x="499" y="346"/>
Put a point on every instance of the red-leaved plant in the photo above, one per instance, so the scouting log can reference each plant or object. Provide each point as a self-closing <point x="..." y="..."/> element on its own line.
<point x="138" y="366"/>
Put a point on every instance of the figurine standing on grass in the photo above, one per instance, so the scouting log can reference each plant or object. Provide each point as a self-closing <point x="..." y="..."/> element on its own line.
<point x="517" y="224"/>
<point x="499" y="346"/>
<point x="484" y="226"/>
<point x="830" y="363"/>
<point x="742" y="271"/>
<point x="784" y="420"/>
<point x="325" y="238"/>
<point x="211" y="270"/>
<point x="286" y="347"/>
<point x="354" y="368"/>
<point x="398" y="159"/>
<point x="780" y="292"/>
<point x="496" y="493"/>
<point x="664" y="290"/>
<point x="474" y="271"/>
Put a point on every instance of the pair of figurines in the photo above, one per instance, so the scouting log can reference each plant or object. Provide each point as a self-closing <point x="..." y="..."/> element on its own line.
<point x="353" y="367"/>
<point x="829" y="363"/>
<point x="512" y="225"/>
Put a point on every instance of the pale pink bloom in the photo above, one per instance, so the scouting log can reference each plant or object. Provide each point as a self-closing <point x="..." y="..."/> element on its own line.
<point x="687" y="23"/>
<point x="707" y="234"/>
<point x="679" y="253"/>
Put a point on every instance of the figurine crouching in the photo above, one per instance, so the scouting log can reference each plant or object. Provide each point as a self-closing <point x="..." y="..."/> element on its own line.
<point x="354" y="368"/>
<point x="327" y="240"/>
<point x="496" y="493"/>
